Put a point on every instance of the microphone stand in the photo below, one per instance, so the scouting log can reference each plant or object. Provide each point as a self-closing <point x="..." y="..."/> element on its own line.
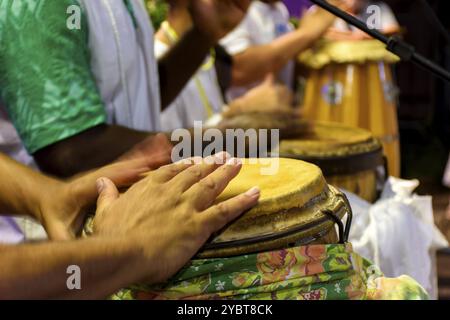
<point x="394" y="44"/>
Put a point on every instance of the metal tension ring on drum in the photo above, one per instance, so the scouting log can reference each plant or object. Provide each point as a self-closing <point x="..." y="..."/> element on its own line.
<point x="344" y="232"/>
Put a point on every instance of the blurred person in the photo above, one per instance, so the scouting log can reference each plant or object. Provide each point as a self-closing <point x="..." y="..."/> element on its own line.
<point x="266" y="42"/>
<point x="82" y="96"/>
<point x="153" y="229"/>
<point x="202" y="99"/>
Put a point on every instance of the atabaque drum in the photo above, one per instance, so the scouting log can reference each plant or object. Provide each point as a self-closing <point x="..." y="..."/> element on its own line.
<point x="285" y="248"/>
<point x="297" y="207"/>
<point x="351" y="82"/>
<point x="350" y="158"/>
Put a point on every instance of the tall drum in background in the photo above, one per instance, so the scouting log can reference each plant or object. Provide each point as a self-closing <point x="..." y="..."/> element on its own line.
<point x="350" y="82"/>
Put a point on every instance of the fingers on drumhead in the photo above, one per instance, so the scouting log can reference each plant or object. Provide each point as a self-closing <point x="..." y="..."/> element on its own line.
<point x="197" y="173"/>
<point x="225" y="212"/>
<point x="209" y="188"/>
<point x="167" y="173"/>
<point x="218" y="158"/>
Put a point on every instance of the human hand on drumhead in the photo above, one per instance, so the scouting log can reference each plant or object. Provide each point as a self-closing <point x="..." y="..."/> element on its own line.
<point x="172" y="213"/>
<point x="269" y="97"/>
<point x="63" y="204"/>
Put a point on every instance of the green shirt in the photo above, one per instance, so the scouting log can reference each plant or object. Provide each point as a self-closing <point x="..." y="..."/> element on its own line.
<point x="46" y="83"/>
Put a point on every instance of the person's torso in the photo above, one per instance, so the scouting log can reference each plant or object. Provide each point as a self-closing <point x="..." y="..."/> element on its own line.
<point x="265" y="23"/>
<point x="123" y="63"/>
<point x="200" y="99"/>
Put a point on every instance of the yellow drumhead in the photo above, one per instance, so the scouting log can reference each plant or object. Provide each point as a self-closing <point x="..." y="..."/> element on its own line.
<point x="326" y="52"/>
<point x="292" y="199"/>
<point x="291" y="184"/>
<point x="330" y="139"/>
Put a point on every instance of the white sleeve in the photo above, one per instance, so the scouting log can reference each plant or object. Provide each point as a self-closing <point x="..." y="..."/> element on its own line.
<point x="160" y="48"/>
<point x="388" y="18"/>
<point x="239" y="39"/>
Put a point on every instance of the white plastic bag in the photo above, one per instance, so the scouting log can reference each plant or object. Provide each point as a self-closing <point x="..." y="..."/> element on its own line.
<point x="398" y="233"/>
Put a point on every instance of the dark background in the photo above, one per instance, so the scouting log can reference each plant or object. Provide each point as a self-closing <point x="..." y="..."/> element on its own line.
<point x="424" y="102"/>
<point x="424" y="115"/>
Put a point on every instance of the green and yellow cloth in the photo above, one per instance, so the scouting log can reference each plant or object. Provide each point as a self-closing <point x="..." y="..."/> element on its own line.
<point x="316" y="272"/>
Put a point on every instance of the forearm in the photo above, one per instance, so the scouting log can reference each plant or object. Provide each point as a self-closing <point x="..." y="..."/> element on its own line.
<point x="39" y="271"/>
<point x="256" y="62"/>
<point x="21" y="188"/>
<point x="90" y="149"/>
<point x="180" y="63"/>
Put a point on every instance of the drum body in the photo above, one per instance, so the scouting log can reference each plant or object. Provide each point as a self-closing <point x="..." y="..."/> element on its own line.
<point x="351" y="83"/>
<point x="350" y="158"/>
<point x="271" y="251"/>
<point x="296" y="207"/>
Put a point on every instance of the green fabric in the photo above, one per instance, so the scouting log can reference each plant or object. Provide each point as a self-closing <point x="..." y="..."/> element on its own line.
<point x="316" y="272"/>
<point x="157" y="10"/>
<point x="45" y="79"/>
<point x="131" y="11"/>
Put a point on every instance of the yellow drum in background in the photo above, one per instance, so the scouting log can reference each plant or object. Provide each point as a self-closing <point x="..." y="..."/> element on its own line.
<point x="350" y="82"/>
<point x="296" y="207"/>
<point x="350" y="158"/>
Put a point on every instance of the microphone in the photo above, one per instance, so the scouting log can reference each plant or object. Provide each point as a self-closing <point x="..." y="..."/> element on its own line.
<point x="394" y="44"/>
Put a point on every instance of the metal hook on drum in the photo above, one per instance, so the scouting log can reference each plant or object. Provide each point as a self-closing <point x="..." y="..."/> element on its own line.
<point x="344" y="232"/>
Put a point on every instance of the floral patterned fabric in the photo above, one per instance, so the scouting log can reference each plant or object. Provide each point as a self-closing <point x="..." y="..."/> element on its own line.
<point x="317" y="272"/>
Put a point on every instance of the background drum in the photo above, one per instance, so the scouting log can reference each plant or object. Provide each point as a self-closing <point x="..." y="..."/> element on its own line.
<point x="350" y="158"/>
<point x="351" y="82"/>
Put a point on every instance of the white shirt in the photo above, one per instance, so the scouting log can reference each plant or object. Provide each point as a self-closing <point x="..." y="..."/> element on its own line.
<point x="123" y="62"/>
<point x="189" y="105"/>
<point x="263" y="24"/>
